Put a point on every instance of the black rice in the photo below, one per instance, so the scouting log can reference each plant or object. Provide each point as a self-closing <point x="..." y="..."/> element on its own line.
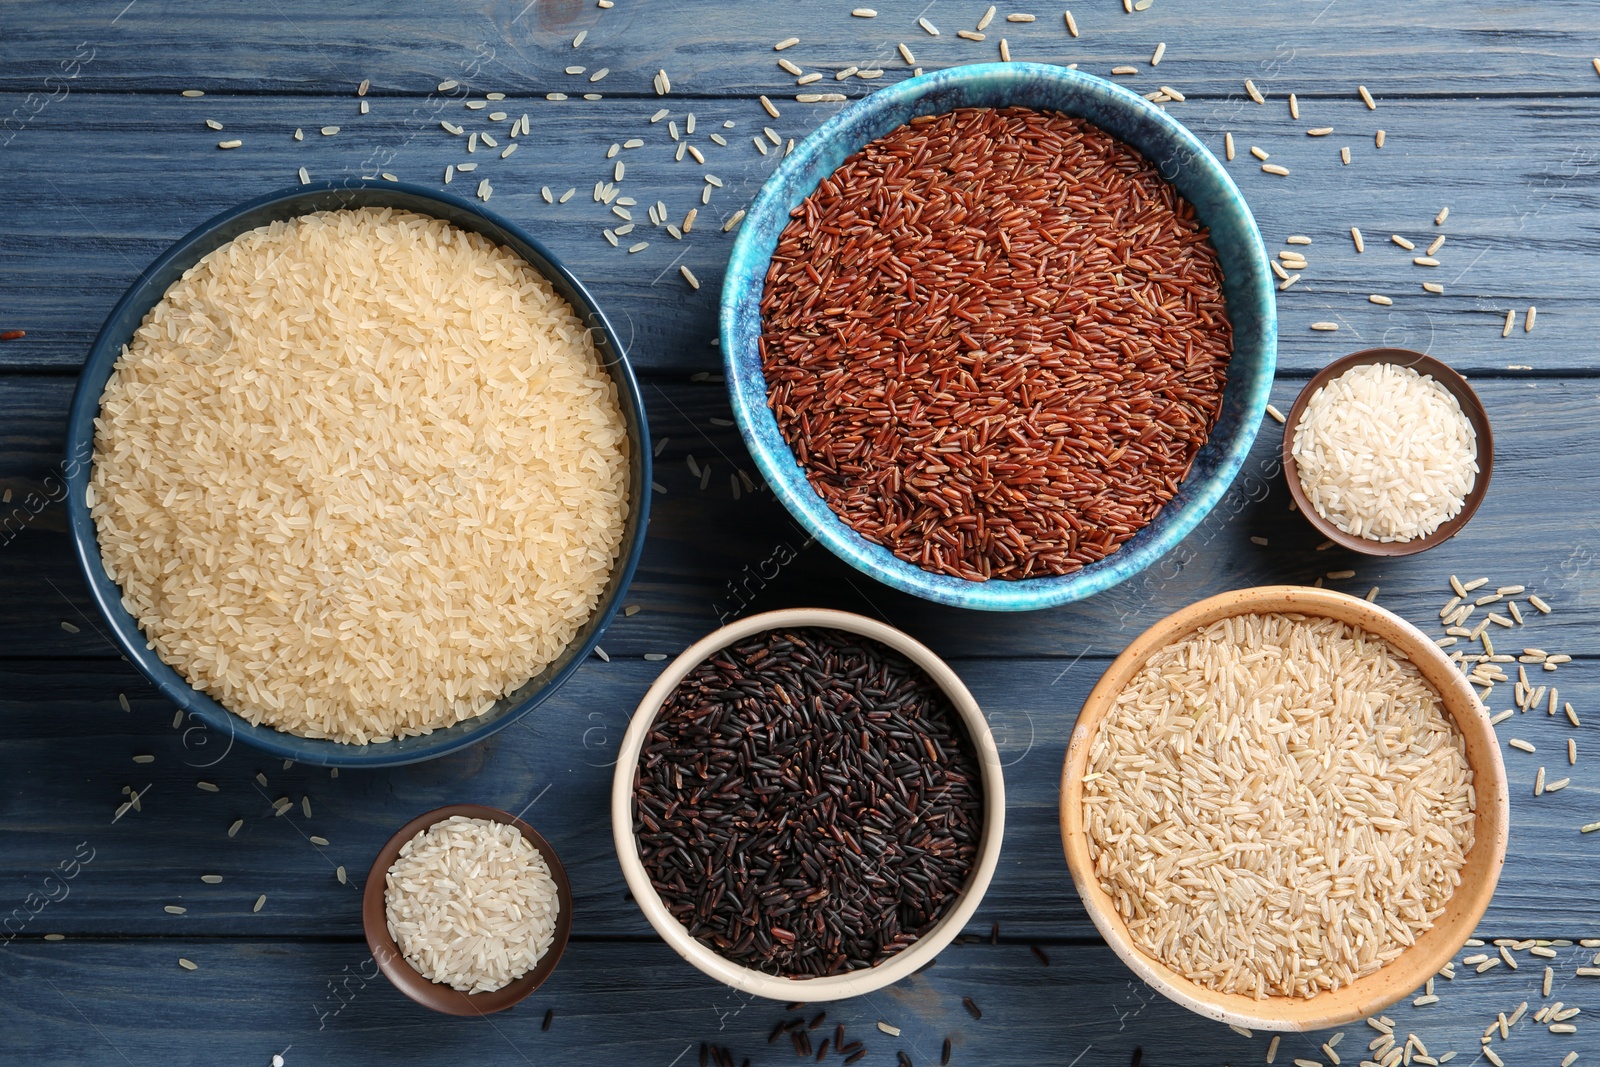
<point x="807" y="803"/>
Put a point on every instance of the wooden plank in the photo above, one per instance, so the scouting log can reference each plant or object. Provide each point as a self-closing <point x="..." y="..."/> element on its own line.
<point x="710" y="556"/>
<point x="60" y="788"/>
<point x="91" y="1001"/>
<point x="515" y="45"/>
<point x="111" y="166"/>
<point x="112" y="180"/>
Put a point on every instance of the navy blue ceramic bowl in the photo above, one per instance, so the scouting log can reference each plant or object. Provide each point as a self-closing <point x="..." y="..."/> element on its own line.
<point x="223" y="727"/>
<point x="1181" y="158"/>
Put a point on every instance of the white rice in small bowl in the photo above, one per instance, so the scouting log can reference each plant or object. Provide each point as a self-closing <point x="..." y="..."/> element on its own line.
<point x="1385" y="453"/>
<point x="471" y="904"/>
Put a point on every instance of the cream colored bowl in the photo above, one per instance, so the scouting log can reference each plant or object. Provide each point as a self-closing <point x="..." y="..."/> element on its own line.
<point x="836" y="987"/>
<point x="1433" y="949"/>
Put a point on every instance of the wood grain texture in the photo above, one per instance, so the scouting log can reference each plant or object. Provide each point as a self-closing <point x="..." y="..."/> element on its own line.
<point x="109" y="181"/>
<point x="709" y="555"/>
<point x="59" y="788"/>
<point x="711" y="49"/>
<point x="87" y="1001"/>
<point x="1489" y="109"/>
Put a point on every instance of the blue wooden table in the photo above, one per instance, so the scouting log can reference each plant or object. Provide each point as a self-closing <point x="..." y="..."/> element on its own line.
<point x="1490" y="110"/>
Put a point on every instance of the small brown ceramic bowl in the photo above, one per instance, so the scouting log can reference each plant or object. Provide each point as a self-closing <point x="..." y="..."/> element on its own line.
<point x="1470" y="405"/>
<point x="1434" y="948"/>
<point x="406" y="978"/>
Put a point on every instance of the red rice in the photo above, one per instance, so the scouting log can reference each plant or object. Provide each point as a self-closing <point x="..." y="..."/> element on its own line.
<point x="996" y="340"/>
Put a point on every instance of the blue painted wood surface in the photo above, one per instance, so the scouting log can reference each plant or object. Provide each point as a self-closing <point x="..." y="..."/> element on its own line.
<point x="77" y="235"/>
<point x="1493" y="110"/>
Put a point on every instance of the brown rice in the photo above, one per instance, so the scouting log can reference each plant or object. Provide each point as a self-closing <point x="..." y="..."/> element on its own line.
<point x="1278" y="805"/>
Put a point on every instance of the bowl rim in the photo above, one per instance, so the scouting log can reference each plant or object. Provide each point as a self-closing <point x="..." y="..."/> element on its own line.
<point x="836" y="987"/>
<point x="1392" y="983"/>
<point x="747" y="267"/>
<point x="406" y="978"/>
<point x="145" y="291"/>
<point x="1471" y="406"/>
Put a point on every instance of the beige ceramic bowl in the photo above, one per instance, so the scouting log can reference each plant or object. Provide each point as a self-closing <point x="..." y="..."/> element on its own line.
<point x="1433" y="949"/>
<point x="836" y="987"/>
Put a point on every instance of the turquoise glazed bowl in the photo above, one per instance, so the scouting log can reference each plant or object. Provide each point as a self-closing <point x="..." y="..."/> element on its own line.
<point x="1180" y="158"/>
<point x="212" y="729"/>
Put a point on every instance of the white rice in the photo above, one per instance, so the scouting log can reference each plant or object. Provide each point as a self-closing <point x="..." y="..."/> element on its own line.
<point x="1278" y="805"/>
<point x="359" y="475"/>
<point x="471" y="904"/>
<point x="1385" y="453"/>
